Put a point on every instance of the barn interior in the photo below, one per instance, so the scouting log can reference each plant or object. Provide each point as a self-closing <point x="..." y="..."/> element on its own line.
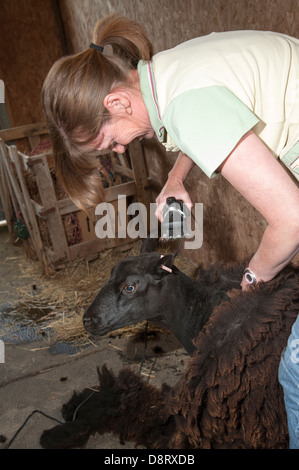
<point x="52" y="262"/>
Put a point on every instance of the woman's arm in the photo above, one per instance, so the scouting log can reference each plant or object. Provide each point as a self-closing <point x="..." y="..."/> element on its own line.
<point x="174" y="185"/>
<point x="259" y="177"/>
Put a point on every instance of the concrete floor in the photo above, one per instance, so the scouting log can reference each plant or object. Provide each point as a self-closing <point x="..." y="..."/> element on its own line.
<point x="35" y="377"/>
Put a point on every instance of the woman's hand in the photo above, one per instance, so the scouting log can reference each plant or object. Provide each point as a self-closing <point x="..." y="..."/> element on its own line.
<point x="174" y="187"/>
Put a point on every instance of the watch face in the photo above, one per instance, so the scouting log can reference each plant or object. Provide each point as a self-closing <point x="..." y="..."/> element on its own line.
<point x="250" y="277"/>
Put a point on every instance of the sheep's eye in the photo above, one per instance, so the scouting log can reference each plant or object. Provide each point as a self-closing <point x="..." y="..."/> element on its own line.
<point x="129" y="289"/>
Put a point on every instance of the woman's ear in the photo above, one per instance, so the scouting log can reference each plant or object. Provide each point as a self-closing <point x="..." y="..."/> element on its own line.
<point x="117" y="101"/>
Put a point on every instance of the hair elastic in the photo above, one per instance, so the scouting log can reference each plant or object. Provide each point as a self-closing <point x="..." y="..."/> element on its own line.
<point x="94" y="46"/>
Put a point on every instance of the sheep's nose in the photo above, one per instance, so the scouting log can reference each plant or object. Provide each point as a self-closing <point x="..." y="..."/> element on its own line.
<point x="90" y="324"/>
<point x="86" y="322"/>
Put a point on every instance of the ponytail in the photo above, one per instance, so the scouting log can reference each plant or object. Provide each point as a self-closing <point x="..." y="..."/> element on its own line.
<point x="127" y="38"/>
<point x="73" y="94"/>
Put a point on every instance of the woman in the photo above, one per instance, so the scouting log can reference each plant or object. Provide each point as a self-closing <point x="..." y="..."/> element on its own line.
<point x="229" y="102"/>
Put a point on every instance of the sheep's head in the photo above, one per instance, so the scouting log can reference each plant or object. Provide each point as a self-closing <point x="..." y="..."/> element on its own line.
<point x="138" y="289"/>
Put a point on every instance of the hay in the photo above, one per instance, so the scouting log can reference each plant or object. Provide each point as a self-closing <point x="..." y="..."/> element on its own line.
<point x="59" y="303"/>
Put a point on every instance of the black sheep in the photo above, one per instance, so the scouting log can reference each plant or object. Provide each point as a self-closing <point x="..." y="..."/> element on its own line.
<point x="229" y="395"/>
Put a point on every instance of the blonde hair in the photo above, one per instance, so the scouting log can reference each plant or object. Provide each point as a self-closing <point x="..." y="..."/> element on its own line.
<point x="73" y="94"/>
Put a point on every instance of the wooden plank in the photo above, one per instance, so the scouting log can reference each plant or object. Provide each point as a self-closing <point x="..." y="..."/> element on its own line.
<point x="5" y="194"/>
<point x="11" y="195"/>
<point x="66" y="206"/>
<point x="13" y="184"/>
<point x="30" y="161"/>
<point x="14" y="201"/>
<point x="84" y="250"/>
<point x="33" y="225"/>
<point x="22" y="132"/>
<point x="124" y="189"/>
<point x="21" y="197"/>
<point x="17" y="196"/>
<point x="123" y="170"/>
<point x="34" y="140"/>
<point x="124" y="159"/>
<point x="49" y="201"/>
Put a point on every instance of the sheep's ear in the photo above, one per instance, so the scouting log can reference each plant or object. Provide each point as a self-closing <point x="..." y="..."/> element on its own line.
<point x="164" y="265"/>
<point x="105" y="377"/>
<point x="148" y="245"/>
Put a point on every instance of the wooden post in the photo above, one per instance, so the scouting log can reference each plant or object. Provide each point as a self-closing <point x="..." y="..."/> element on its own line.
<point x="21" y="132"/>
<point x="13" y="184"/>
<point x="32" y="222"/>
<point x="50" y="206"/>
<point x="4" y="191"/>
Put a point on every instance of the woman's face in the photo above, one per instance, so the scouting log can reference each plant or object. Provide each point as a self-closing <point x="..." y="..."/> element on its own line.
<point x="129" y="119"/>
<point x="121" y="130"/>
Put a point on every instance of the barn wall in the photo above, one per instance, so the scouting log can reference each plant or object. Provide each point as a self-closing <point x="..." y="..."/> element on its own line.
<point x="31" y="39"/>
<point x="169" y="22"/>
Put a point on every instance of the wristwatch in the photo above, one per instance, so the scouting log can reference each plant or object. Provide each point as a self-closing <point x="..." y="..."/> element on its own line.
<point x="250" y="277"/>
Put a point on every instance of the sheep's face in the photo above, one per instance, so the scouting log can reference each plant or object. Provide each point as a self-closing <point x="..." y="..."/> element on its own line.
<point x="138" y="289"/>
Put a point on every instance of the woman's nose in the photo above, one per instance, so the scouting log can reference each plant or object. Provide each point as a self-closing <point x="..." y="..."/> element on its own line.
<point x="118" y="148"/>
